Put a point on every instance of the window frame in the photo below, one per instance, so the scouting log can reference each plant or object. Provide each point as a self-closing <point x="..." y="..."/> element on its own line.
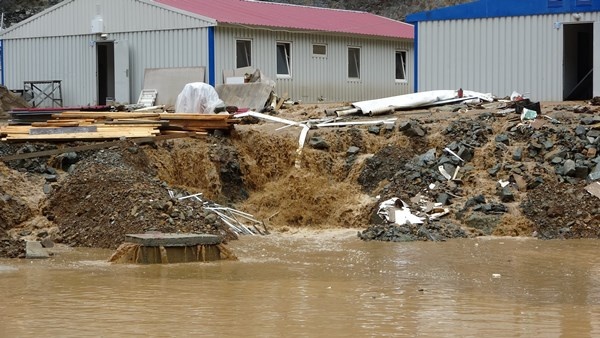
<point x="404" y="68"/>
<point x="356" y="64"/>
<point x="324" y="55"/>
<point x="288" y="58"/>
<point x="248" y="54"/>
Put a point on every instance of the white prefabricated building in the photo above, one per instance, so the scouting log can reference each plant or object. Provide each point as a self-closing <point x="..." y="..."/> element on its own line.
<point x="102" y="49"/>
<point x="545" y="49"/>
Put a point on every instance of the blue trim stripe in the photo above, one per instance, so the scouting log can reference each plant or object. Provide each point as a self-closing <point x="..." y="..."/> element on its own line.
<point x="416" y="56"/>
<point x="503" y="8"/>
<point x="211" y="56"/>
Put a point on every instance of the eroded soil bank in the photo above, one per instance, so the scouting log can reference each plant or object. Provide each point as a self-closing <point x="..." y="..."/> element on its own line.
<point x="509" y="178"/>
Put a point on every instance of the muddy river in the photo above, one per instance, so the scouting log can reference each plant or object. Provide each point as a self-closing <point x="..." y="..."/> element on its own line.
<point x="315" y="285"/>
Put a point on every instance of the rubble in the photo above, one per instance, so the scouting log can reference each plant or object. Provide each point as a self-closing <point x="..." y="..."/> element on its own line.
<point x="462" y="173"/>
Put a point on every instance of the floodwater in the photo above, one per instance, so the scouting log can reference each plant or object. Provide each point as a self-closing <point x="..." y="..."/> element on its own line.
<point x="327" y="284"/>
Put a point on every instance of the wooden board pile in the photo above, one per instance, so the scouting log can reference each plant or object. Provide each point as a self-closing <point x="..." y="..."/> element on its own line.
<point x="83" y="125"/>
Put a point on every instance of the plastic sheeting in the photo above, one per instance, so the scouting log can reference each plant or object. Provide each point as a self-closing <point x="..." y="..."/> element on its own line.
<point x="198" y="97"/>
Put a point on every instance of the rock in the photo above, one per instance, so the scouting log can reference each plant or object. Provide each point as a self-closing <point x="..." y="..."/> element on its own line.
<point x="352" y="150"/>
<point x="414" y="131"/>
<point x="568" y="168"/>
<point x="518" y="154"/>
<point x="502" y="138"/>
<point x="581" y="171"/>
<point x="493" y="171"/>
<point x="318" y="143"/>
<point x="51" y="178"/>
<point x="47" y="243"/>
<point x="47" y="188"/>
<point x="443" y="198"/>
<point x="580" y="131"/>
<point x="595" y="174"/>
<point x="507" y="195"/>
<point x="483" y="222"/>
<point x="374" y="130"/>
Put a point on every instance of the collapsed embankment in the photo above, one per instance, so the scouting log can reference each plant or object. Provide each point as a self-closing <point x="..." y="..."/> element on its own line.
<point x="511" y="179"/>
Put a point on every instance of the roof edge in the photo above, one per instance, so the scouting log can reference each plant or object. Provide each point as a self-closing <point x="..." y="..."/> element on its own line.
<point x="35" y="16"/>
<point x="494" y="8"/>
<point x="148" y="2"/>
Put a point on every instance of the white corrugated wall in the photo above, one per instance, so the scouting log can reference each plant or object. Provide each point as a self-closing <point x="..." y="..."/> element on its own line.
<point x="499" y="55"/>
<point x="72" y="59"/>
<point x="317" y="77"/>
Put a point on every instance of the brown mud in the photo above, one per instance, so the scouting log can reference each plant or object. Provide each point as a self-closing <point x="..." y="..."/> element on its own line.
<point x="94" y="198"/>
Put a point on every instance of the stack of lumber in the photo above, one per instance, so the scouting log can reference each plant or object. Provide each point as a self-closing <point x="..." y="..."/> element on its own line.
<point x="198" y="122"/>
<point x="86" y="125"/>
<point x="80" y="125"/>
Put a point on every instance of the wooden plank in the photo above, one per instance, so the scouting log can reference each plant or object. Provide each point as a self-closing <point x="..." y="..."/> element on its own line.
<point x="282" y="99"/>
<point x="92" y="147"/>
<point x="202" y="117"/>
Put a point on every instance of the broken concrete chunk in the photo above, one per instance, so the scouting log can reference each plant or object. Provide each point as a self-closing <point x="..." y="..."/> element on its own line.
<point x="34" y="250"/>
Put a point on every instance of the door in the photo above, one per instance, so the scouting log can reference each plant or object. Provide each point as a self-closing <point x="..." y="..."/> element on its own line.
<point x="122" y="82"/>
<point x="113" y="72"/>
<point x="578" y="61"/>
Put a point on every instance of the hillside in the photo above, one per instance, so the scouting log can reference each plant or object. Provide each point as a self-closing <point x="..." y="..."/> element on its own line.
<point x="17" y="10"/>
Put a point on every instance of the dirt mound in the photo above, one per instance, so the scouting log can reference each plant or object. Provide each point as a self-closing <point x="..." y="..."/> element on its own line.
<point x="9" y="100"/>
<point x="212" y="165"/>
<point x="114" y="193"/>
<point x="561" y="210"/>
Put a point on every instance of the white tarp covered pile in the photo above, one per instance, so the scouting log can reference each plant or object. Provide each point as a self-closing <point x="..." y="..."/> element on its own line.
<point x="198" y="97"/>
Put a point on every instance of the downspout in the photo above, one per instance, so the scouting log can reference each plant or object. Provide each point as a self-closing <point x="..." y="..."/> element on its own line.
<point x="211" y="56"/>
<point x="416" y="48"/>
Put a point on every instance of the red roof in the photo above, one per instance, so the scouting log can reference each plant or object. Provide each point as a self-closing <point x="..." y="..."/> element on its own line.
<point x="268" y="14"/>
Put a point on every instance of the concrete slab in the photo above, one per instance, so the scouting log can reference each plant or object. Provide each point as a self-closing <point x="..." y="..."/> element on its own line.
<point x="247" y="95"/>
<point x="173" y="240"/>
<point x="169" y="82"/>
<point x="34" y="250"/>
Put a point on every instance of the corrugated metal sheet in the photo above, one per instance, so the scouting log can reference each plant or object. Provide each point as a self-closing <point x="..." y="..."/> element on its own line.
<point x="321" y="77"/>
<point x="498" y="55"/>
<point x="267" y="14"/>
<point x="73" y="60"/>
<point x="74" y="18"/>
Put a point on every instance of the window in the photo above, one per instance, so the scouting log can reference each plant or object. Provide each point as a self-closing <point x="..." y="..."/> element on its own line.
<point x="319" y="50"/>
<point x="400" y="66"/>
<point x="555" y="3"/>
<point x="583" y="2"/>
<point x="354" y="62"/>
<point x="283" y="59"/>
<point x="243" y="53"/>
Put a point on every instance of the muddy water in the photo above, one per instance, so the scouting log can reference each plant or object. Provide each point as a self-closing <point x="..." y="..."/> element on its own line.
<point x="329" y="284"/>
